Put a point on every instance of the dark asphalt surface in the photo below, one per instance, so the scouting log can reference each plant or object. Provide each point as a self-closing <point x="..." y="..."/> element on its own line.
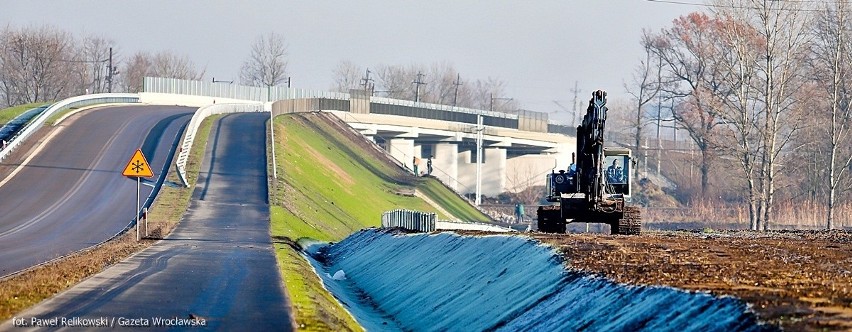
<point x="218" y="264"/>
<point x="72" y="195"/>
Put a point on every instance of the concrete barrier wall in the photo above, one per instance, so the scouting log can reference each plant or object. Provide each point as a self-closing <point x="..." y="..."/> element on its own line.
<point x="356" y="102"/>
<point x="308" y="105"/>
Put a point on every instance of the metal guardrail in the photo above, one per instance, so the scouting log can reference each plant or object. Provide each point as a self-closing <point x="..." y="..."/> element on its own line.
<point x="410" y="220"/>
<point x="78" y="101"/>
<point x="195" y="122"/>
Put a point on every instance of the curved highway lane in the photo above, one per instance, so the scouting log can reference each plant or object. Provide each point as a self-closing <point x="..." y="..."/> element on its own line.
<point x="71" y="194"/>
<point x="216" y="270"/>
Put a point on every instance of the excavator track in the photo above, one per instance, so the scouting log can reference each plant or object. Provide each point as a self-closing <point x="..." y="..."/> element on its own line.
<point x="550" y="220"/>
<point x="629" y="224"/>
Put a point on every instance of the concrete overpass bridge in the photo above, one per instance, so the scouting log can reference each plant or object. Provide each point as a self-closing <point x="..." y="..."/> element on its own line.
<point x="518" y="148"/>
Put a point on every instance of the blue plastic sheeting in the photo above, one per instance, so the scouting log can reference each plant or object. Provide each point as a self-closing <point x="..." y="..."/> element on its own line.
<point x="447" y="282"/>
<point x="13" y="126"/>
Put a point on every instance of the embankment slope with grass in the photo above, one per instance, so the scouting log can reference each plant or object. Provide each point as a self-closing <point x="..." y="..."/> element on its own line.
<point x="331" y="183"/>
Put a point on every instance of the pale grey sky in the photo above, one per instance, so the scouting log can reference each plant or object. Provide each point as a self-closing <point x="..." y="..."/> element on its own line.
<point x="538" y="47"/>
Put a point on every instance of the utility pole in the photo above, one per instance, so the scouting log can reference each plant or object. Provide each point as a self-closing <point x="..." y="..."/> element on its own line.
<point x="288" y="82"/>
<point x="575" y="90"/>
<point x="418" y="82"/>
<point x="659" y="120"/>
<point x="457" y="83"/>
<point x="365" y="82"/>
<point x="111" y="72"/>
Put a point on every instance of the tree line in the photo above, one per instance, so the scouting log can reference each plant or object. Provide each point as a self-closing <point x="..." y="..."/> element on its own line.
<point x="40" y="64"/>
<point x="437" y="83"/>
<point x="43" y="63"/>
<point x="762" y="86"/>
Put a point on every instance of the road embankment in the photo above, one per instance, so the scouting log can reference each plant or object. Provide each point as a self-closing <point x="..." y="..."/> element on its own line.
<point x="445" y="281"/>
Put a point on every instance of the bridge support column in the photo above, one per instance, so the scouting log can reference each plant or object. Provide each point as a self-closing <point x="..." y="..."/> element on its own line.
<point x="466" y="172"/>
<point x="446" y="164"/>
<point x="402" y="150"/>
<point x="494" y="172"/>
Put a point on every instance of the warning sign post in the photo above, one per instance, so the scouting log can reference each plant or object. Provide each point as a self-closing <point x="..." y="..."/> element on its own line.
<point x="139" y="168"/>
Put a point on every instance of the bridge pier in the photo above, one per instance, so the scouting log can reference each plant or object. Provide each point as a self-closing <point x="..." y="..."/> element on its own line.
<point x="401" y="149"/>
<point x="446" y="164"/>
<point x="494" y="169"/>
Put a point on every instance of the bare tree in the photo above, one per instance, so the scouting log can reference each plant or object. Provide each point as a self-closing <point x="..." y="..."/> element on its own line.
<point x="93" y="57"/>
<point x="781" y="27"/>
<point x="490" y="94"/>
<point x="830" y="63"/>
<point x="687" y="50"/>
<point x="644" y="88"/>
<point x="526" y="184"/>
<point x="346" y="75"/>
<point x="267" y="62"/>
<point x="134" y="71"/>
<point x="395" y="81"/>
<point x="168" y="64"/>
<point x="440" y="89"/>
<point x="163" y="64"/>
<point x="34" y="64"/>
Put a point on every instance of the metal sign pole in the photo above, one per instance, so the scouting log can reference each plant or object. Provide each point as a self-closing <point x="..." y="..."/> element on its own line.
<point x="137" y="208"/>
<point x="138" y="167"/>
<point x="145" y="216"/>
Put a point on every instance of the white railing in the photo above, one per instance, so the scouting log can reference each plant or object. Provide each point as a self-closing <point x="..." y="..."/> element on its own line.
<point x="195" y="122"/>
<point x="78" y="101"/>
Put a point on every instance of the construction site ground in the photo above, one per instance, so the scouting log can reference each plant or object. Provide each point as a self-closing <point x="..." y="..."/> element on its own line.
<point x="797" y="280"/>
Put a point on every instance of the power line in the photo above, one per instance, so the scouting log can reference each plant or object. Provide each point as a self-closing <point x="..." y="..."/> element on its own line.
<point x="712" y="5"/>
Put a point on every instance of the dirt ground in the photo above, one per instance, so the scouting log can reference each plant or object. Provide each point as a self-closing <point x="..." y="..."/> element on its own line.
<point x="797" y="280"/>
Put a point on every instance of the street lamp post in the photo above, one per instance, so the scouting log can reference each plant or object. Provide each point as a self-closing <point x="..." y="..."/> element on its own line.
<point x="479" y="129"/>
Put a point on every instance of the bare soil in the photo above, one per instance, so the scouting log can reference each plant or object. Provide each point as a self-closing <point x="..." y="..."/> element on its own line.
<point x="796" y="280"/>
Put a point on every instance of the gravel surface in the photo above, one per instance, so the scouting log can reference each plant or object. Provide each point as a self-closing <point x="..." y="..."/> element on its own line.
<point x="798" y="280"/>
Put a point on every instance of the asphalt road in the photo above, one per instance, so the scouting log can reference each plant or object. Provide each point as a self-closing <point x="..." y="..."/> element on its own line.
<point x="218" y="265"/>
<point x="71" y="194"/>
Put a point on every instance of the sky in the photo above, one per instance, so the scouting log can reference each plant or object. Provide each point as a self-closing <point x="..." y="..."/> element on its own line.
<point x="539" y="48"/>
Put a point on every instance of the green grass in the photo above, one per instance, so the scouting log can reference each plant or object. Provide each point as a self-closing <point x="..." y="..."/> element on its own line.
<point x="455" y="205"/>
<point x="10" y="113"/>
<point x="315" y="309"/>
<point x="329" y="187"/>
<point x="51" y="121"/>
<point x="330" y="193"/>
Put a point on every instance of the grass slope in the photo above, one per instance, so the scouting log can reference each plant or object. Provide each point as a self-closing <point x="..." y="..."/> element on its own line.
<point x="7" y="114"/>
<point x="332" y="183"/>
<point x="331" y="187"/>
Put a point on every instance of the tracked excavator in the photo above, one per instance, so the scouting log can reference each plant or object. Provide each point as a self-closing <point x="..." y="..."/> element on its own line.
<point x="596" y="186"/>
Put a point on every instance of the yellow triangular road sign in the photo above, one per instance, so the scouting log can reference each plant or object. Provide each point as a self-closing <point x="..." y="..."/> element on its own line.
<point x="138" y="166"/>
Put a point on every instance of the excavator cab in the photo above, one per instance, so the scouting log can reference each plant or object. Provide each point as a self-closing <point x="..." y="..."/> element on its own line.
<point x="617" y="172"/>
